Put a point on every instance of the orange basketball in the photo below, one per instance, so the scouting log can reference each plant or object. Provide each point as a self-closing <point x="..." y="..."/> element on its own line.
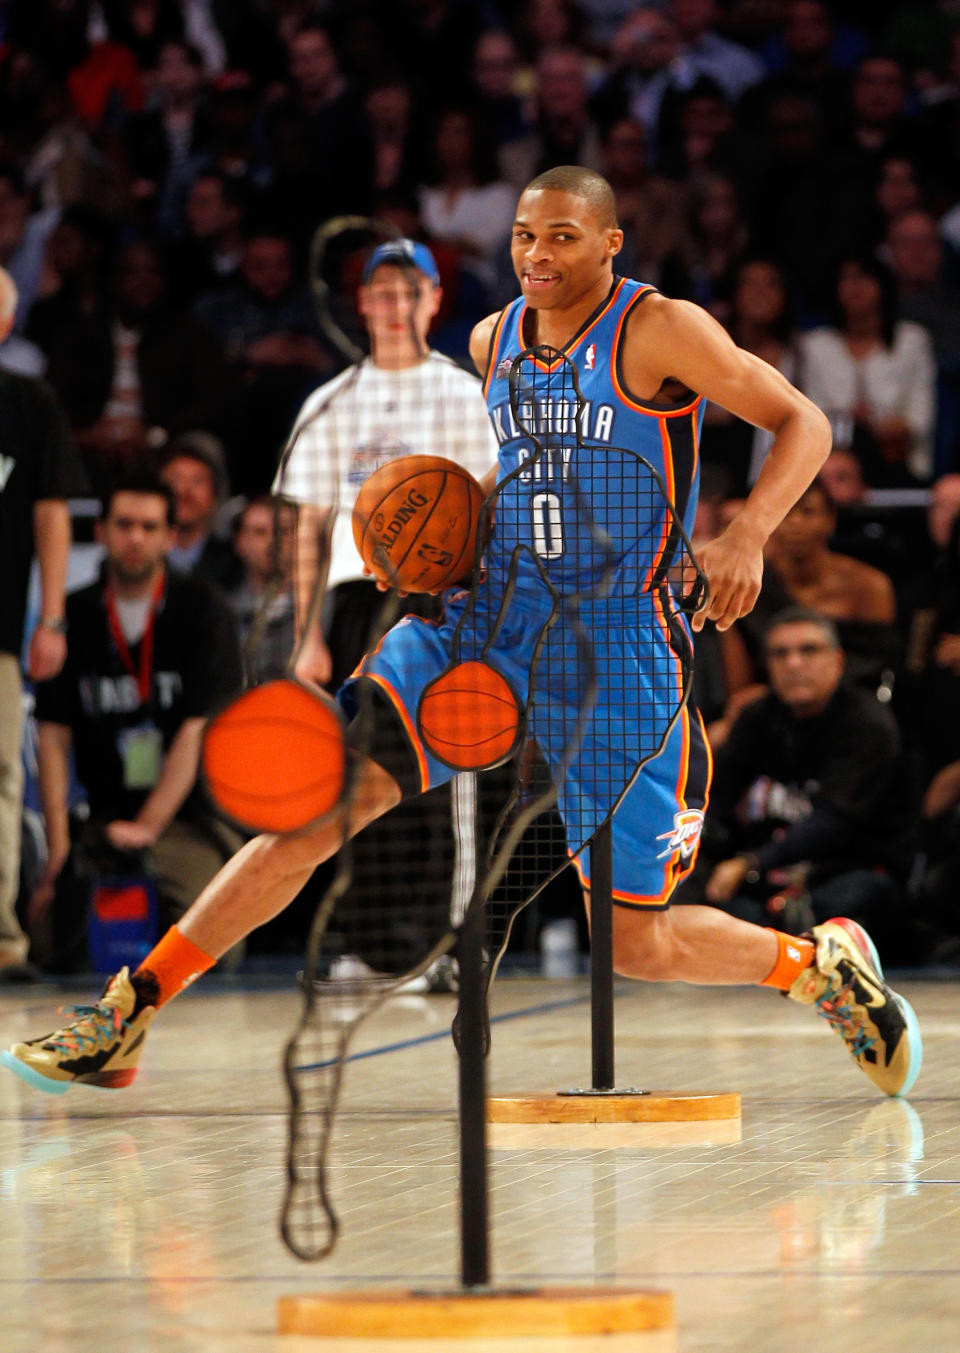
<point x="469" y="717"/>
<point x="415" y="523"/>
<point x="274" y="760"/>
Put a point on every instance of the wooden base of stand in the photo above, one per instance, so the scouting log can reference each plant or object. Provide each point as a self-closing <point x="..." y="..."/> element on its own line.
<point x="409" y="1314"/>
<point x="598" y="1121"/>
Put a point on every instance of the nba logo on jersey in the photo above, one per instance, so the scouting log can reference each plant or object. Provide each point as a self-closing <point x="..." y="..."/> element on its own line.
<point x="503" y="367"/>
<point x="687" y="826"/>
<point x="590" y="357"/>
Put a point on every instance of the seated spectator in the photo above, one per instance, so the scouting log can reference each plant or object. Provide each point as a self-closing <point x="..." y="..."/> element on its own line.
<point x="930" y="297"/>
<point x="888" y="537"/>
<point x="713" y="242"/>
<point x="268" y="329"/>
<point x="398" y="137"/>
<point x="761" y="321"/>
<point x="463" y="201"/>
<point x="858" y="598"/>
<point x="649" y="205"/>
<point x="262" y="601"/>
<point x="937" y="889"/>
<point x="318" y="134"/>
<point x="873" y="374"/>
<point x="810" y="812"/>
<point x="897" y="190"/>
<point x="695" y="133"/>
<point x="805" y="67"/>
<point x="132" y="371"/>
<point x="195" y="472"/>
<point x="641" y="73"/>
<point x="150" y="655"/>
<point x="23" y="238"/>
<point x="207" y="259"/>
<point x="564" y="130"/>
<point x="495" y="74"/>
<point x="165" y="145"/>
<point x="705" y="54"/>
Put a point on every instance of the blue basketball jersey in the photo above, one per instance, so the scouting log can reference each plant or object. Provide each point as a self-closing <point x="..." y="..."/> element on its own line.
<point x="584" y="509"/>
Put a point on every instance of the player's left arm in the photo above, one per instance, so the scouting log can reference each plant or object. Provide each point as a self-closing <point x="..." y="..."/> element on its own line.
<point x="680" y="340"/>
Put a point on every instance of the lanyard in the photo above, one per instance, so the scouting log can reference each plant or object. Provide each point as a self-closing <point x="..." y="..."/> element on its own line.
<point x="145" y="675"/>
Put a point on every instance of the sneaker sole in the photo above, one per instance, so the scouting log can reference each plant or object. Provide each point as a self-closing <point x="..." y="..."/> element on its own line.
<point x="34" y="1078"/>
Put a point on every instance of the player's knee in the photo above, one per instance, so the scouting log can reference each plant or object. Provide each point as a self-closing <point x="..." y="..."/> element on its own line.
<point x="643" y="944"/>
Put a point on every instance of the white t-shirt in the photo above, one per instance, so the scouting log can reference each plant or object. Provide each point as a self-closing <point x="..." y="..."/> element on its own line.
<point x="368" y="416"/>
<point x="899" y="380"/>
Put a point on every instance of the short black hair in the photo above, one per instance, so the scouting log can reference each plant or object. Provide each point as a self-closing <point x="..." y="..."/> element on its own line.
<point x="139" y="480"/>
<point x="586" y="184"/>
<point x="804" y="615"/>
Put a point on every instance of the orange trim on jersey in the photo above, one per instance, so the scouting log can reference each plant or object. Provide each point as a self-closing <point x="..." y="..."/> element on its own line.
<point x="622" y="394"/>
<point x="495" y="348"/>
<point x="548" y="367"/>
<point x="393" y="695"/>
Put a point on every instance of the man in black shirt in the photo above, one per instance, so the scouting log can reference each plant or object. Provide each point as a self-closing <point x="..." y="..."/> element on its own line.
<point x="152" y="653"/>
<point x="39" y="469"/>
<point x="810" y="787"/>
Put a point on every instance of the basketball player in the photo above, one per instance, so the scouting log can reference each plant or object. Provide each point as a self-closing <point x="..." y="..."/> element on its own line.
<point x="645" y="347"/>
<point x="404" y="399"/>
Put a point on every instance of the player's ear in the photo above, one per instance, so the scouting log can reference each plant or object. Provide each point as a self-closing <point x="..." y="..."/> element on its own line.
<point x="614" y="242"/>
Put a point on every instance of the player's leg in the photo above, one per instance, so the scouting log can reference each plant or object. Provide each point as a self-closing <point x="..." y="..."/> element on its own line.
<point x="102" y="1045"/>
<point x="835" y="969"/>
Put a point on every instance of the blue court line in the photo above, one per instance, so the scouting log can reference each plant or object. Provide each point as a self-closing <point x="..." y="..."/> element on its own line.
<point x="405" y="1043"/>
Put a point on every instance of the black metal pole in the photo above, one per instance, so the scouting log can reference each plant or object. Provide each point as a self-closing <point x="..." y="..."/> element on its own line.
<point x="601" y="957"/>
<point x="474" y="1227"/>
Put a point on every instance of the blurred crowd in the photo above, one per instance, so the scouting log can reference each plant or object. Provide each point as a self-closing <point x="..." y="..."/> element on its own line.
<point x="791" y="165"/>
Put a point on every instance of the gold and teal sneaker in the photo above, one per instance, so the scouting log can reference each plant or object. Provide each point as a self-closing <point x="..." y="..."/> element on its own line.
<point x="845" y="984"/>
<point x="101" y="1047"/>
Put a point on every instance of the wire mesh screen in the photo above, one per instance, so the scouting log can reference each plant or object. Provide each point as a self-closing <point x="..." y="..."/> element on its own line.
<point x="523" y="706"/>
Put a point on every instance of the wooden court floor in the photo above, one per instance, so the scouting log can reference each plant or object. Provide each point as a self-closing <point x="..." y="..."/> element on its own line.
<point x="145" y="1219"/>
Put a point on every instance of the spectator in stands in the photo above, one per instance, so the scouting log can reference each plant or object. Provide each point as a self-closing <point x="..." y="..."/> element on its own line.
<point x="643" y="55"/>
<point x="144" y="28"/>
<point x="208" y="258"/>
<point x="564" y="131"/>
<point x="165" y="145"/>
<point x="132" y="371"/>
<point x="266" y="324"/>
<point x="195" y="472"/>
<point x="874" y="376"/>
<point x="807" y="69"/>
<point x="810" y="809"/>
<point x="23" y="238"/>
<point x="262" y="600"/>
<point x="650" y="206"/>
<point x="463" y="201"/>
<point x="761" y="321"/>
<point x="397" y="134"/>
<point x="152" y="654"/>
<point x="39" y="469"/>
<point x="318" y="133"/>
<point x="928" y="296"/>
<point x="695" y="133"/>
<point x="857" y="597"/>
<point x="713" y="243"/>
<point x="897" y="190"/>
<point x="704" y="53"/>
<point x="495" y="72"/>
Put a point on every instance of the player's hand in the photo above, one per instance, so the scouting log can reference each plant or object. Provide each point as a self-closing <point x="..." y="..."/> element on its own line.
<point x="733" y="565"/>
<point x="723" y="883"/>
<point x="382" y="586"/>
<point x="131" y="835"/>
<point x="48" y="649"/>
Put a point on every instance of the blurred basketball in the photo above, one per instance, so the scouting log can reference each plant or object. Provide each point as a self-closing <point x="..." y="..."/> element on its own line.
<point x="415" y="523"/>
<point x="274" y="760"/>
<point x="469" y="717"/>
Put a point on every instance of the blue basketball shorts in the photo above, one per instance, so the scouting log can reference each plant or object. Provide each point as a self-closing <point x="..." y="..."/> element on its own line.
<point x="628" y="678"/>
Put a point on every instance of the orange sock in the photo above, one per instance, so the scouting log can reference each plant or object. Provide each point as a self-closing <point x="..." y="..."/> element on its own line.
<point x="169" y="967"/>
<point x="793" y="956"/>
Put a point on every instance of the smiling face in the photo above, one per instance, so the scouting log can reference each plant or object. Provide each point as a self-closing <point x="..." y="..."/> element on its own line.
<point x="562" y="251"/>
